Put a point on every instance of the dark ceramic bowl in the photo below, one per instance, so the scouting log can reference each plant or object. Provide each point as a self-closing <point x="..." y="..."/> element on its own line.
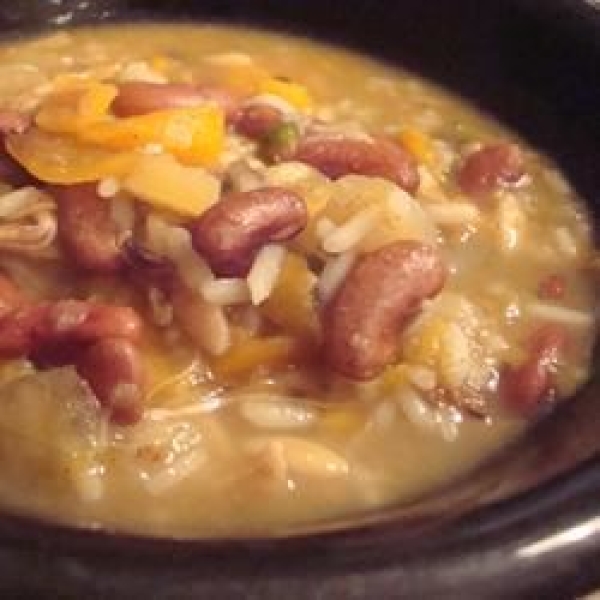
<point x="525" y="525"/>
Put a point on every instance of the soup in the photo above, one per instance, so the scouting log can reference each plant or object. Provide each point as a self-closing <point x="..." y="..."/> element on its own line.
<point x="252" y="282"/>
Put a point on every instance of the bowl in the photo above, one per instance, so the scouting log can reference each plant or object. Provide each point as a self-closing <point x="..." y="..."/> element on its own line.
<point x="527" y="523"/>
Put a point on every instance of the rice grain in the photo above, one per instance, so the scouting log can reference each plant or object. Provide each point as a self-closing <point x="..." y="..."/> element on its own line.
<point x="264" y="272"/>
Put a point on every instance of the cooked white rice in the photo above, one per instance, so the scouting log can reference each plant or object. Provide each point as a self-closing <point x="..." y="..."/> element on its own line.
<point x="275" y="412"/>
<point x="265" y="271"/>
<point x="225" y="291"/>
<point x="423" y="378"/>
<point x="89" y="483"/>
<point x="453" y="213"/>
<point x="348" y="236"/>
<point x="303" y="457"/>
<point x="561" y="314"/>
<point x="324" y="227"/>
<point x="511" y="222"/>
<point x="160" y="308"/>
<point x="160" y="482"/>
<point x="565" y="242"/>
<point x="122" y="212"/>
<point x="108" y="187"/>
<point x="23" y="202"/>
<point x="141" y="71"/>
<point x="333" y="275"/>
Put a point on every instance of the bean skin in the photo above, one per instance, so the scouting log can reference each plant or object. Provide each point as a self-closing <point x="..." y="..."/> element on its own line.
<point x="524" y="388"/>
<point x="379" y="296"/>
<point x="231" y="232"/>
<point x="100" y="340"/>
<point x="257" y="120"/>
<point x="113" y="369"/>
<point x="139" y="98"/>
<point x="378" y="158"/>
<point x="552" y="287"/>
<point x="84" y="322"/>
<point x="491" y="167"/>
<point x="36" y="328"/>
<point x="86" y="229"/>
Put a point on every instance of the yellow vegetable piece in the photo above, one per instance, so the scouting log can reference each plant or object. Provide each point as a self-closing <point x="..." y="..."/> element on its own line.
<point x="166" y="370"/>
<point x="195" y="135"/>
<point x="11" y="370"/>
<point x="393" y="378"/>
<point x="71" y="112"/>
<point x="291" y="304"/>
<point x="95" y="101"/>
<point x="160" y="64"/>
<point x="419" y="145"/>
<point x="424" y="346"/>
<point x="242" y="359"/>
<point x="165" y="183"/>
<point x="63" y="160"/>
<point x="294" y="93"/>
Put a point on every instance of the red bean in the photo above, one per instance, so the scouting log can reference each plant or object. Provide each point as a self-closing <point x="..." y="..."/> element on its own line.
<point x="230" y="233"/>
<point x="552" y="287"/>
<point x="83" y="322"/>
<point x="490" y="167"/>
<point x="378" y="158"/>
<point x="33" y="329"/>
<point x="138" y="98"/>
<point x="524" y="388"/>
<point x="257" y="120"/>
<point x="86" y="228"/>
<point x="113" y="369"/>
<point x="375" y="302"/>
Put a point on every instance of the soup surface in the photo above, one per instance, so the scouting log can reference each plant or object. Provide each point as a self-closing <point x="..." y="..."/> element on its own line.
<point x="251" y="282"/>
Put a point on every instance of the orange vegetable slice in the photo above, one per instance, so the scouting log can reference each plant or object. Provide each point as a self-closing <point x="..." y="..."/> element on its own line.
<point x="72" y="111"/>
<point x="294" y="93"/>
<point x="194" y="135"/>
<point x="291" y="304"/>
<point x="63" y="160"/>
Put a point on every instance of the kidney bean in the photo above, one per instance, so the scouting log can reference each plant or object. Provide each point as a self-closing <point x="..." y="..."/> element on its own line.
<point x="139" y="97"/>
<point x="257" y="120"/>
<point x="525" y="387"/>
<point x="85" y="322"/>
<point x="490" y="167"/>
<point x="552" y="287"/>
<point x="113" y="369"/>
<point x="33" y="329"/>
<point x="86" y="229"/>
<point x="145" y="266"/>
<point x="230" y="233"/>
<point x="377" y="158"/>
<point x="380" y="294"/>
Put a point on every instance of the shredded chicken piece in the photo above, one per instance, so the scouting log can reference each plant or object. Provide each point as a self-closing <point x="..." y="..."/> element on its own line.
<point x="28" y="223"/>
